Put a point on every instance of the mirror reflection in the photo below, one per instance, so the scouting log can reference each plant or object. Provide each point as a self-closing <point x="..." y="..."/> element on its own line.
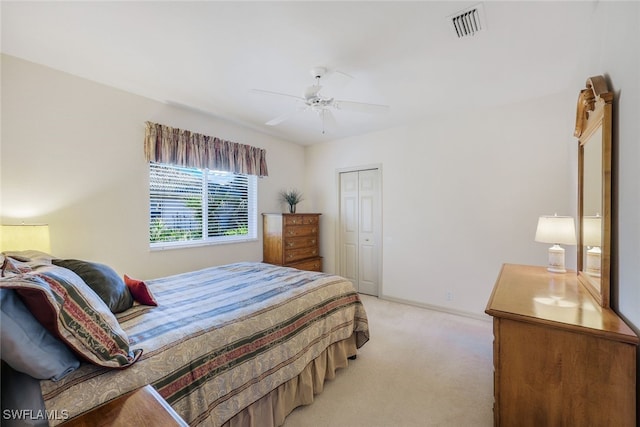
<point x="593" y="129"/>
<point x="591" y="207"/>
<point x="592" y="241"/>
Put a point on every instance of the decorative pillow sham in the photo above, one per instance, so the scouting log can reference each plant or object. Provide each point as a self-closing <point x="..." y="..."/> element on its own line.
<point x="27" y="346"/>
<point x="11" y="267"/>
<point x="140" y="291"/>
<point x="103" y="280"/>
<point x="70" y="310"/>
<point x="30" y="255"/>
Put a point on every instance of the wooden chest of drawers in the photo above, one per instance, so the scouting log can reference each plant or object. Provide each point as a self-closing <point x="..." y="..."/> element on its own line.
<point x="559" y="358"/>
<point x="292" y="240"/>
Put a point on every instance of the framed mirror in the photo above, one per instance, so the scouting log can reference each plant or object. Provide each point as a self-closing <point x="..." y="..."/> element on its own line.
<point x="593" y="130"/>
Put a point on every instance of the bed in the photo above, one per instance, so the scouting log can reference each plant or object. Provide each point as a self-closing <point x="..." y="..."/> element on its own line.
<point x="235" y="345"/>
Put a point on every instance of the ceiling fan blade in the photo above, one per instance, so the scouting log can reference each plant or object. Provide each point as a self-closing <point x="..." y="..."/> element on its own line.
<point x="337" y="79"/>
<point x="281" y="118"/>
<point x="268" y="92"/>
<point x="361" y="107"/>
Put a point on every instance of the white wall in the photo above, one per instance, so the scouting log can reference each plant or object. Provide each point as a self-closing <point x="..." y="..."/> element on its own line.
<point x="615" y="34"/>
<point x="72" y="157"/>
<point x="461" y="195"/>
<point x="621" y="62"/>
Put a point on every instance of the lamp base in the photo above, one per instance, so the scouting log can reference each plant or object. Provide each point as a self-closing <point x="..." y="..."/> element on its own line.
<point x="556" y="259"/>
<point x="594" y="256"/>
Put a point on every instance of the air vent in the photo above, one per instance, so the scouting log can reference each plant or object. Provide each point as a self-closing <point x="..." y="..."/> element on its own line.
<point x="468" y="22"/>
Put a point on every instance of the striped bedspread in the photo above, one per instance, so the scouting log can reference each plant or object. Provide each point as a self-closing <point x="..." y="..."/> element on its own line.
<point x="220" y="339"/>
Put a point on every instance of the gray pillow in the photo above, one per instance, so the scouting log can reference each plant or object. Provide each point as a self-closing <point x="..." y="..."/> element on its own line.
<point x="103" y="280"/>
<point x="27" y="346"/>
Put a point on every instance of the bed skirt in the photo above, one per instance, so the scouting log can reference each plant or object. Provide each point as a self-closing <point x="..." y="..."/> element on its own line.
<point x="272" y="409"/>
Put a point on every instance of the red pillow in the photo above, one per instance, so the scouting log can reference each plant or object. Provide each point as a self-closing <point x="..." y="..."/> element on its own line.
<point x="139" y="291"/>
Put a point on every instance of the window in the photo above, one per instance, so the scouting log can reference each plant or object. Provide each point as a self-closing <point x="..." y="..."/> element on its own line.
<point x="190" y="206"/>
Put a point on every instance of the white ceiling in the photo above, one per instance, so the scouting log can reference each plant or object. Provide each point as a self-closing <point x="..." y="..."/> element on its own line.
<point x="209" y="55"/>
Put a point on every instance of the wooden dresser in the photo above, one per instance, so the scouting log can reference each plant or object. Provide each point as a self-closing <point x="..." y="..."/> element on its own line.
<point x="141" y="408"/>
<point x="559" y="358"/>
<point x="292" y="240"/>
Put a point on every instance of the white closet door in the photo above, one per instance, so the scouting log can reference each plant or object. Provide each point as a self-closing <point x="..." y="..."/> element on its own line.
<point x="349" y="226"/>
<point x="360" y="225"/>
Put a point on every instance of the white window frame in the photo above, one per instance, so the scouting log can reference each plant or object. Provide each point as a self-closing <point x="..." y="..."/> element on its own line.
<point x="207" y="176"/>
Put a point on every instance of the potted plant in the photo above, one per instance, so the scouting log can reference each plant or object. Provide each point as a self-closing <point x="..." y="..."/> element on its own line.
<point x="292" y="198"/>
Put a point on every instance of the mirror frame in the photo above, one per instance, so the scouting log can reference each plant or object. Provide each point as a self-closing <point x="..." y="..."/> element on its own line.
<point x="594" y="112"/>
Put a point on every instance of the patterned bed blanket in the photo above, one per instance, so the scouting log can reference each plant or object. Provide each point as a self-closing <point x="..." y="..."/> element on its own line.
<point x="220" y="339"/>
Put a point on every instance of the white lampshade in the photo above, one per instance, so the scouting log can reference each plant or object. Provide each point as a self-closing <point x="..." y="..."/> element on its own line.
<point x="592" y="231"/>
<point x="556" y="229"/>
<point x="25" y="237"/>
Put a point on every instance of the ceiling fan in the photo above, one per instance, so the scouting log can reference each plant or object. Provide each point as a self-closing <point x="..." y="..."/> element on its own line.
<point x="322" y="105"/>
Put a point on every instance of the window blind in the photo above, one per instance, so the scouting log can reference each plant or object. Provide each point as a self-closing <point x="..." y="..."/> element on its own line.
<point x="193" y="206"/>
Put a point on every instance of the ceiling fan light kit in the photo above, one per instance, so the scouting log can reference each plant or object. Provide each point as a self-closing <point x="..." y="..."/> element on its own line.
<point x="314" y="101"/>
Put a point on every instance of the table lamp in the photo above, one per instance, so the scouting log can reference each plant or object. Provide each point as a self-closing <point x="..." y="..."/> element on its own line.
<point x="592" y="238"/>
<point x="556" y="230"/>
<point x="24" y="237"/>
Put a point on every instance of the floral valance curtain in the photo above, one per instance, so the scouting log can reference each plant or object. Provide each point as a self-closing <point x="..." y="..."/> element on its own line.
<point x="164" y="144"/>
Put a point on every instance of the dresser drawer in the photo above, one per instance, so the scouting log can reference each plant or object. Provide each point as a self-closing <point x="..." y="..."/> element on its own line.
<point x="291" y="255"/>
<point x="300" y="230"/>
<point x="300" y="242"/>
<point x="314" y="264"/>
<point x="300" y="219"/>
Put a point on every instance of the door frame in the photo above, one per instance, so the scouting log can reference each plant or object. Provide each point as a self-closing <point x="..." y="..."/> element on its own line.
<point x="338" y="236"/>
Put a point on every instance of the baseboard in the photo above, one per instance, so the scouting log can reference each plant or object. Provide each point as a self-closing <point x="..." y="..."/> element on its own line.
<point x="483" y="317"/>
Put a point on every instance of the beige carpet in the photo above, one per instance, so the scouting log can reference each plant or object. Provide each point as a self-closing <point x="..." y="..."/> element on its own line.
<point x="420" y="368"/>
